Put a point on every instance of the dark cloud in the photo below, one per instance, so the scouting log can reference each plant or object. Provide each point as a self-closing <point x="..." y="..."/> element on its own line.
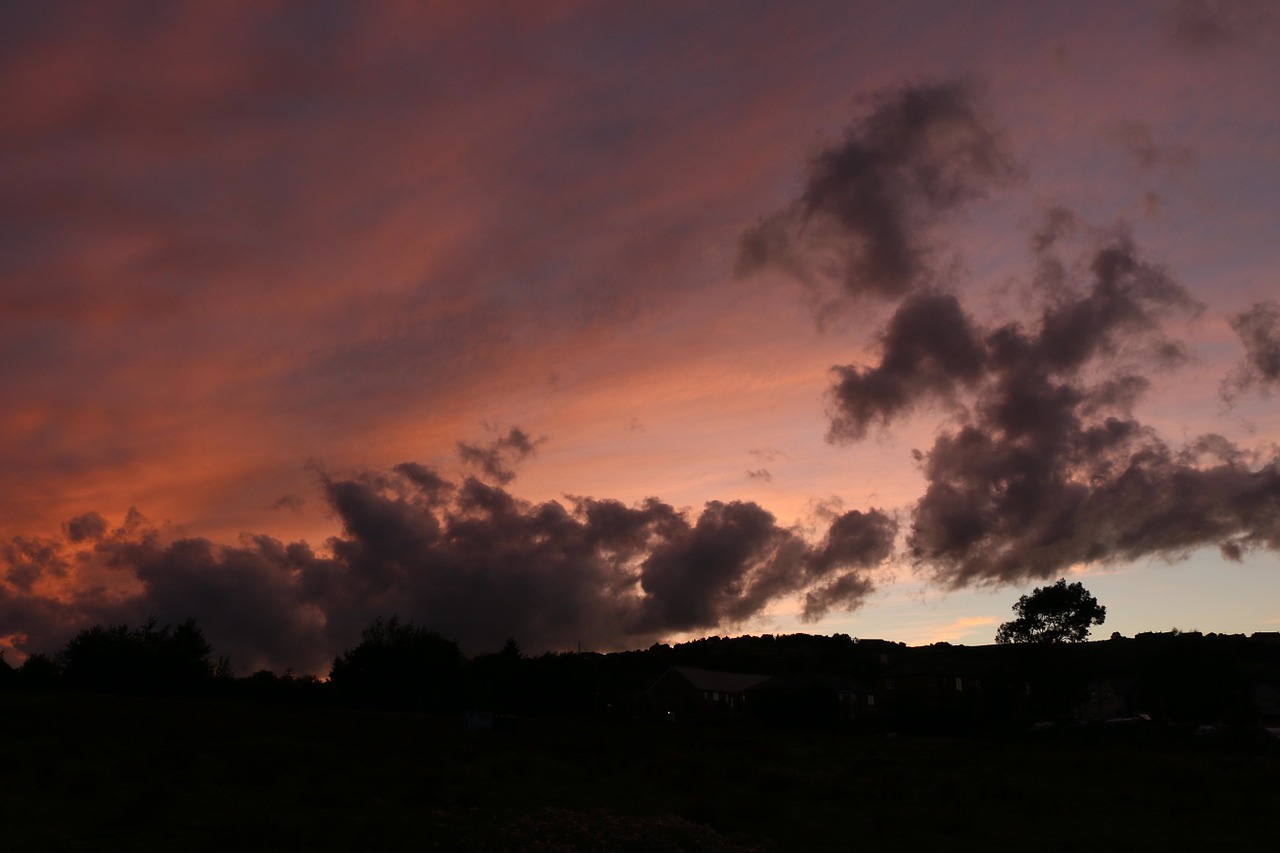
<point x="737" y="560"/>
<point x="595" y="571"/>
<point x="1047" y="467"/>
<point x="843" y="592"/>
<point x="997" y="510"/>
<point x="434" y="488"/>
<point x="470" y="559"/>
<point x="247" y="599"/>
<point x="929" y="350"/>
<point x="91" y="525"/>
<point x="932" y="351"/>
<point x="760" y="474"/>
<point x="290" y="502"/>
<point x="23" y="575"/>
<point x="36" y="622"/>
<point x="869" y="201"/>
<point x="1120" y="313"/>
<point x="27" y="558"/>
<point x="1207" y="26"/>
<point x="1259" y="331"/>
<point x="698" y="577"/>
<point x="855" y="539"/>
<point x="1056" y="224"/>
<point x="498" y="459"/>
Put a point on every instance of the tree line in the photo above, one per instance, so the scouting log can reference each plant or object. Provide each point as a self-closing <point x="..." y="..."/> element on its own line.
<point x="396" y="665"/>
<point x="400" y="665"/>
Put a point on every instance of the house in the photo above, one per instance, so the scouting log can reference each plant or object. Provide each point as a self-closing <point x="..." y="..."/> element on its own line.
<point x="803" y="699"/>
<point x="1107" y="699"/>
<point x="857" y="700"/>
<point x="689" y="692"/>
<point x="946" y="690"/>
<point x="1266" y="702"/>
<point x="933" y="683"/>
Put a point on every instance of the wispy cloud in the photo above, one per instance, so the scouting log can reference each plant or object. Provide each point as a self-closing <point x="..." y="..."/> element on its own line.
<point x="961" y="629"/>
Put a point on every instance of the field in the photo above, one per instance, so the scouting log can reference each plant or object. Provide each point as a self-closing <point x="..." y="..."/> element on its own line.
<point x="84" y="773"/>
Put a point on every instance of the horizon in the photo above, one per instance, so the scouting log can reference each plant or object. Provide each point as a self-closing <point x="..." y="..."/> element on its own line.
<point x="587" y="324"/>
<point x="220" y="671"/>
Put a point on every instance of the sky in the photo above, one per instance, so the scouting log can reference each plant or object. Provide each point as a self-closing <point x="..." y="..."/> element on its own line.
<point x="603" y="324"/>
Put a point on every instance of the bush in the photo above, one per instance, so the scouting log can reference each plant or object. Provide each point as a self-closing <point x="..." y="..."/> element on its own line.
<point x="142" y="660"/>
<point x="399" y="665"/>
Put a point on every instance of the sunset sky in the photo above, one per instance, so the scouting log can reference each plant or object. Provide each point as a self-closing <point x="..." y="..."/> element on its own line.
<point x="807" y="316"/>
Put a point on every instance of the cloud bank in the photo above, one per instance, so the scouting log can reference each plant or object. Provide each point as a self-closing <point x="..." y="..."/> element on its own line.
<point x="469" y="559"/>
<point x="1259" y="331"/>
<point x="1043" y="466"/>
<point x="1040" y="464"/>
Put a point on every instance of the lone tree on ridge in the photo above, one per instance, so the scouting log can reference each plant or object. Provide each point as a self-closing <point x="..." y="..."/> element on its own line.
<point x="1061" y="613"/>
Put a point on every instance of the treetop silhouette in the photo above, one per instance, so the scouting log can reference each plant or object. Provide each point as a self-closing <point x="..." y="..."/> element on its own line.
<point x="1061" y="613"/>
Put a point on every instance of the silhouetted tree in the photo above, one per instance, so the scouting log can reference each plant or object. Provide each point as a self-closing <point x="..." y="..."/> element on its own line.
<point x="1061" y="613"/>
<point x="39" y="672"/>
<point x="499" y="681"/>
<point x="145" y="659"/>
<point x="222" y="670"/>
<point x="400" y="665"/>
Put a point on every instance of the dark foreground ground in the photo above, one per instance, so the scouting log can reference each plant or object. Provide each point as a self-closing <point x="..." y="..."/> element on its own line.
<point x="81" y="773"/>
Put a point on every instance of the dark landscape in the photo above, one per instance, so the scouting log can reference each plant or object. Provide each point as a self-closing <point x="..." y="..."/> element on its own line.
<point x="1162" y="741"/>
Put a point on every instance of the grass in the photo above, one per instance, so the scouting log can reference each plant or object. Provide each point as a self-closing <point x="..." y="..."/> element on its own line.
<point x="84" y="773"/>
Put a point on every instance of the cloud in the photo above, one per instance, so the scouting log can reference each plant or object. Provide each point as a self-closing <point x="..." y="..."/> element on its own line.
<point x="929" y="350"/>
<point x="958" y="629"/>
<point x="246" y="598"/>
<point x="1046" y="466"/>
<point x="1259" y="331"/>
<point x="1205" y="26"/>
<point x="1134" y="138"/>
<point x="498" y="459"/>
<point x="289" y="502"/>
<point x="855" y="539"/>
<point x="433" y="488"/>
<point x="469" y="559"/>
<point x="870" y="200"/>
<point x="932" y="350"/>
<point x="765" y="454"/>
<point x="996" y="512"/>
<point x="90" y="525"/>
<point x="1043" y="465"/>
<point x="760" y="474"/>
<point x="720" y="566"/>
